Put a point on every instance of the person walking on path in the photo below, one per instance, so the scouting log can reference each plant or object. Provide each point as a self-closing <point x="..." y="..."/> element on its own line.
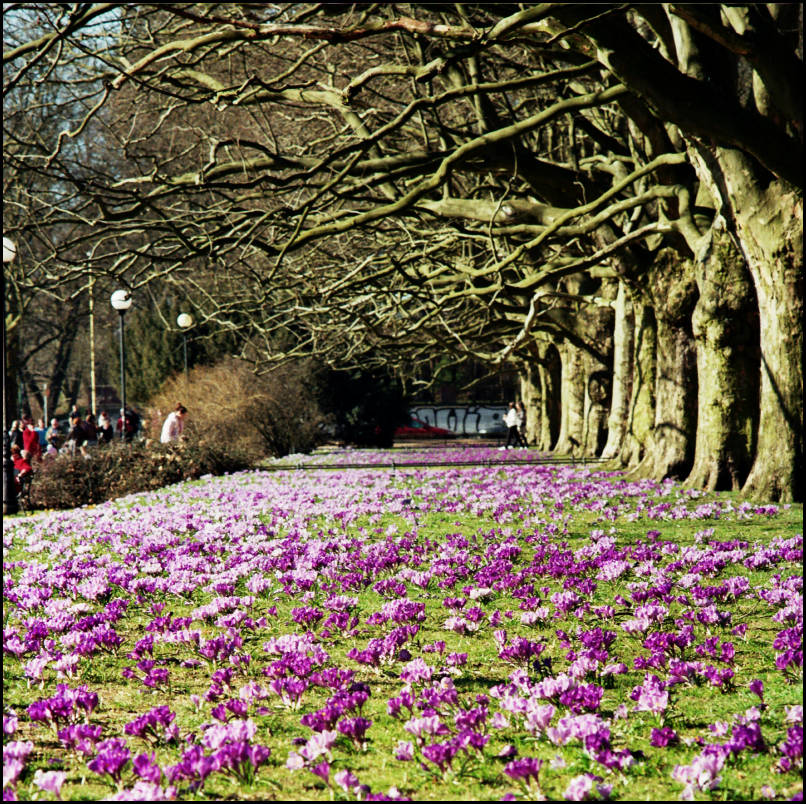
<point x="511" y="421"/>
<point x="174" y="424"/>
<point x="130" y="425"/>
<point x="42" y="432"/>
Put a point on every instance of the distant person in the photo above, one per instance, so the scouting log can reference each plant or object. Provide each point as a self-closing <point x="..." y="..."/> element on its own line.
<point x="174" y="424"/>
<point x="90" y="430"/>
<point x="22" y="466"/>
<point x="131" y="425"/>
<point x="15" y="434"/>
<point x="42" y="432"/>
<point x="54" y="435"/>
<point x="511" y="420"/>
<point x="452" y="415"/>
<point x="30" y="441"/>
<point x="77" y="436"/>
<point x="106" y="433"/>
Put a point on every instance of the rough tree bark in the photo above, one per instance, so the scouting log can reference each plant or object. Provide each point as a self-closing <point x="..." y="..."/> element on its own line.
<point x="572" y="392"/>
<point x="642" y="399"/>
<point x="726" y="331"/>
<point x="623" y="330"/>
<point x="598" y="372"/>
<point x="531" y="394"/>
<point x="670" y="450"/>
<point x="550" y="371"/>
<point x="767" y="221"/>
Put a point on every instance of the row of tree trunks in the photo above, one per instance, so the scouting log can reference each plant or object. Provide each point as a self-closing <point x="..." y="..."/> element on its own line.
<point x="706" y="364"/>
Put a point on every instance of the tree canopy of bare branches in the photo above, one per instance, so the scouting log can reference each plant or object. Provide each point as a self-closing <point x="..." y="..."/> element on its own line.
<point x="373" y="182"/>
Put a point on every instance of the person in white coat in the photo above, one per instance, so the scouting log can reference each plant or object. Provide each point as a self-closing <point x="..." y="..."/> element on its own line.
<point x="174" y="424"/>
<point x="511" y="421"/>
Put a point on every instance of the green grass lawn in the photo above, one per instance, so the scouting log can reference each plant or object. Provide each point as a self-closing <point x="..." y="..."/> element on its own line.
<point x="519" y="549"/>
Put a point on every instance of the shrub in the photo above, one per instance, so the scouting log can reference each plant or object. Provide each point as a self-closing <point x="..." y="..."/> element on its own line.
<point x="229" y="405"/>
<point x="115" y="470"/>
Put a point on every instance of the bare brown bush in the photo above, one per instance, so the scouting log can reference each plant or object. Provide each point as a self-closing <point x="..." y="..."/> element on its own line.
<point x="229" y="405"/>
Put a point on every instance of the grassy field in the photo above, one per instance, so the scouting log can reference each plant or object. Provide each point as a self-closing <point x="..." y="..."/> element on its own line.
<point x="428" y="633"/>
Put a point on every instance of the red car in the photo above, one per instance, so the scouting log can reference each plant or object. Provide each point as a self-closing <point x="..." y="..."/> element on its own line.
<point x="419" y="429"/>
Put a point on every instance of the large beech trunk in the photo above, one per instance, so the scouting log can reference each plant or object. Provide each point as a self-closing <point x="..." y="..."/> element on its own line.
<point x="777" y="472"/>
<point x="572" y="382"/>
<point x="726" y="331"/>
<point x="597" y="392"/>
<point x="531" y="393"/>
<point x="623" y="328"/>
<point x="550" y="371"/>
<point x="670" y="449"/>
<point x="598" y="380"/>
<point x="768" y="221"/>
<point x="641" y="412"/>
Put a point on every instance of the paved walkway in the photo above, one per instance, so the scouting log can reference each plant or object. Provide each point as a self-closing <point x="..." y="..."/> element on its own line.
<point x="415" y="454"/>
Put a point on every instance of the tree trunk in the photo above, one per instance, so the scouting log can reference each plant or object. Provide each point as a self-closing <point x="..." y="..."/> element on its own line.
<point x="531" y="393"/>
<point x="572" y="391"/>
<point x="642" y="399"/>
<point x="726" y="332"/>
<point x="768" y="221"/>
<point x="670" y="450"/>
<point x="623" y="329"/>
<point x="776" y="266"/>
<point x="598" y="374"/>
<point x="550" y="372"/>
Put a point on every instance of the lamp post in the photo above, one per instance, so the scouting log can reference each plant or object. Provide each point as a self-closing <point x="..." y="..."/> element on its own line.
<point x="185" y="322"/>
<point x="10" y="504"/>
<point x="121" y="300"/>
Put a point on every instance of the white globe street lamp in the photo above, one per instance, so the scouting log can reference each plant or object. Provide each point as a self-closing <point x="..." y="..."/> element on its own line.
<point x="185" y="322"/>
<point x="121" y="301"/>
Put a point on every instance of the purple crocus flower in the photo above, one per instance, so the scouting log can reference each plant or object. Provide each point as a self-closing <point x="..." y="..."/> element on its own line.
<point x="662" y="737"/>
<point x="757" y="688"/>
<point x="50" y="781"/>
<point x="524" y="769"/>
<point x="112" y="757"/>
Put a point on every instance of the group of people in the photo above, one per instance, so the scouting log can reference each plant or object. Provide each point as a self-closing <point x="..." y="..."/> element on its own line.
<point x="32" y="443"/>
<point x="515" y="420"/>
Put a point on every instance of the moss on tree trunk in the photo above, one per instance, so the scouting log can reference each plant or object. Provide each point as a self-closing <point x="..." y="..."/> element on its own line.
<point x="531" y="393"/>
<point x="623" y="330"/>
<point x="572" y="382"/>
<point x="670" y="448"/>
<point x="641" y="411"/>
<point x="767" y="219"/>
<point x="726" y="331"/>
